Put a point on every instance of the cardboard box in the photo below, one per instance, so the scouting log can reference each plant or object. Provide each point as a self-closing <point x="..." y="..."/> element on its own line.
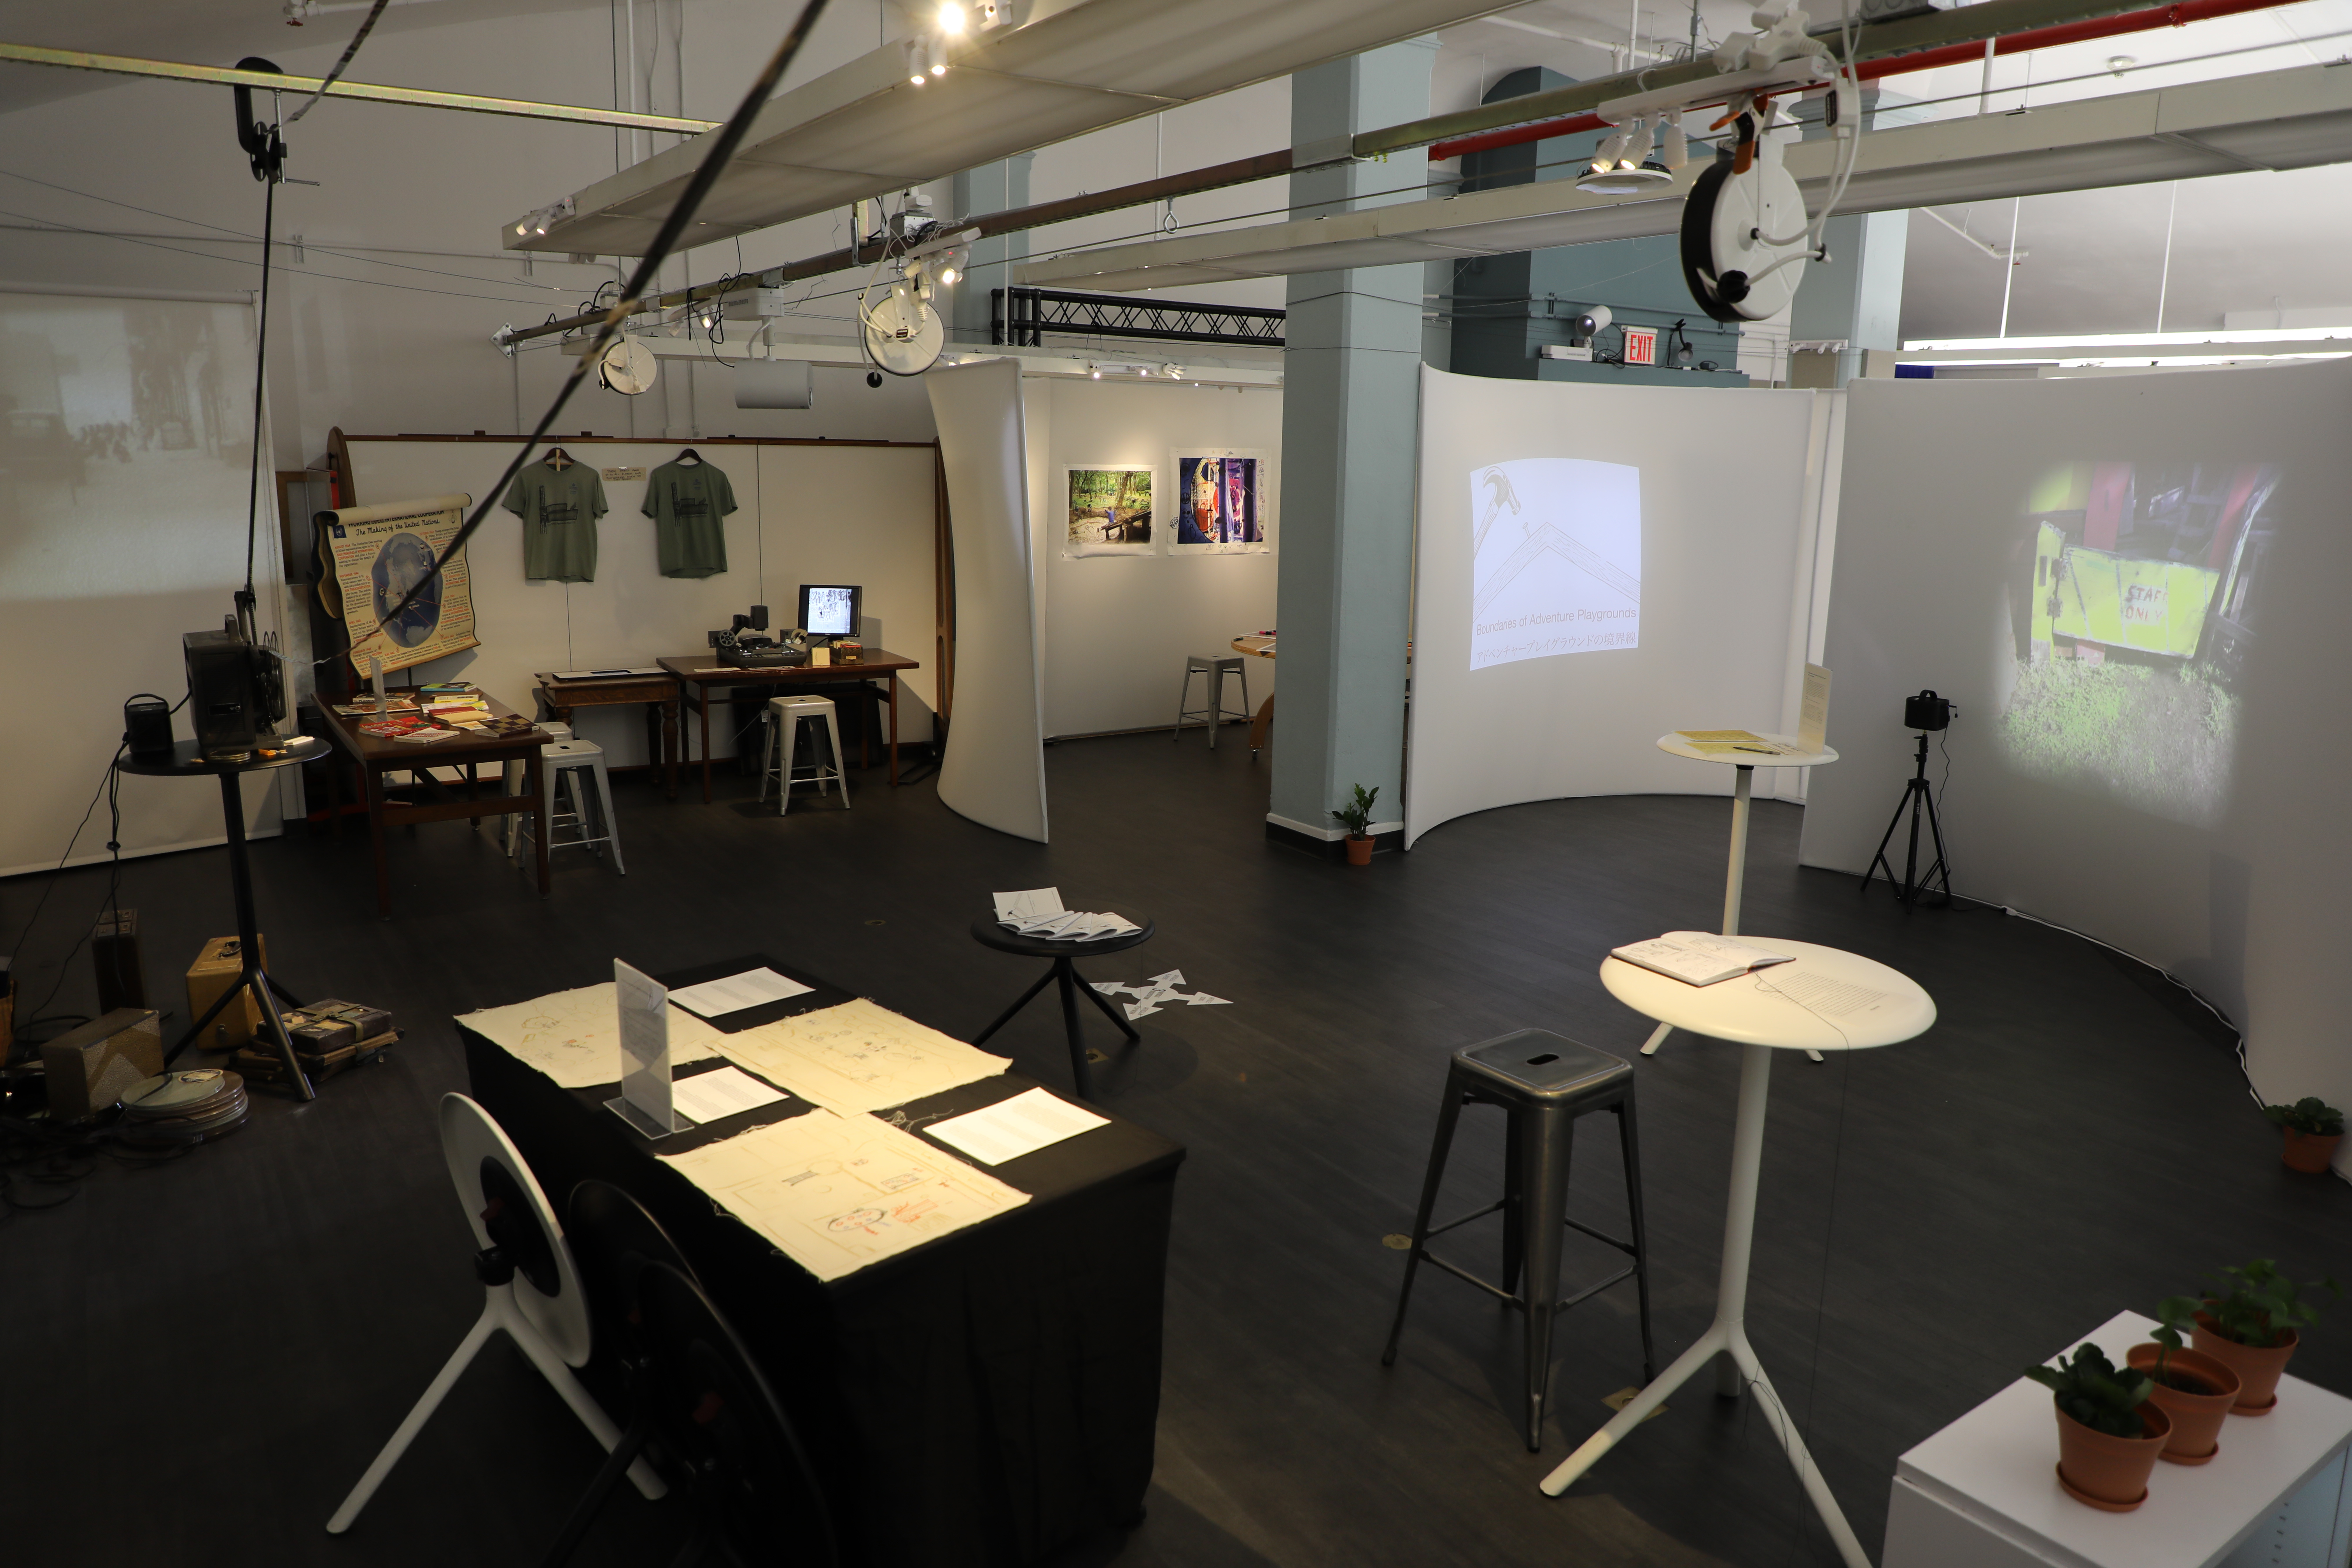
<point x="214" y="972"/>
<point x="90" y="1069"/>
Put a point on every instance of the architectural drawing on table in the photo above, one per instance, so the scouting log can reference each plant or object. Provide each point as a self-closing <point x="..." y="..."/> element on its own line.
<point x="574" y="1036"/>
<point x="859" y="1056"/>
<point x="1152" y="992"/>
<point x="1556" y="558"/>
<point x="837" y="1193"/>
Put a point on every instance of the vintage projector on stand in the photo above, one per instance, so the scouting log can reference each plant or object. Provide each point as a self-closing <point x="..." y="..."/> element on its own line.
<point x="741" y="646"/>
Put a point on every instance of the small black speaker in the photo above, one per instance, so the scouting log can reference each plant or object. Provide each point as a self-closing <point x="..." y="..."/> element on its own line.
<point x="147" y="727"/>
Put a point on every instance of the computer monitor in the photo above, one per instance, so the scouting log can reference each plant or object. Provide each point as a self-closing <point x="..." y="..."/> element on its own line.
<point x="830" y="609"/>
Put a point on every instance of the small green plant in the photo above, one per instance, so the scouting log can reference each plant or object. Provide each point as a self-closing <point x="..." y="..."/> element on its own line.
<point x="2310" y="1114"/>
<point x="2175" y="1316"/>
<point x="2256" y="1305"/>
<point x="1356" y="816"/>
<point x="2095" y="1391"/>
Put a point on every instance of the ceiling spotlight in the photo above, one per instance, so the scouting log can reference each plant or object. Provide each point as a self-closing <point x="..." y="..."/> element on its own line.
<point x="2122" y="63"/>
<point x="947" y="275"/>
<point x="952" y="17"/>
<point x="939" y="67"/>
<point x="523" y="228"/>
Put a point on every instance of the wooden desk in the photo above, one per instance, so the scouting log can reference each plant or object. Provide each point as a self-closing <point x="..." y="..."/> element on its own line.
<point x="1258" y="647"/>
<point x="658" y="692"/>
<point x="376" y="756"/>
<point x="698" y="673"/>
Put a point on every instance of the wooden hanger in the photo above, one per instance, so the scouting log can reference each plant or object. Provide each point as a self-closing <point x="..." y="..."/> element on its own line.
<point x="689" y="456"/>
<point x="558" y="458"/>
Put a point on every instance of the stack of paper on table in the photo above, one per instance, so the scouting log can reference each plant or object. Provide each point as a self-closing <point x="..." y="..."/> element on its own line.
<point x="858" y="1055"/>
<point x="1697" y="957"/>
<point x="574" y="1036"/>
<point x="1724" y="742"/>
<point x="1011" y="1127"/>
<point x="837" y="1193"/>
<point x="1039" y="912"/>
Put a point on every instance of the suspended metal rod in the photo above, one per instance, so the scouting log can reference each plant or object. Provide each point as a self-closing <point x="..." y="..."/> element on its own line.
<point x="415" y="96"/>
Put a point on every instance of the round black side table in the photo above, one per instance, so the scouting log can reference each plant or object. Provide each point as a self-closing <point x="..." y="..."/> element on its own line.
<point x="187" y="762"/>
<point x="988" y="934"/>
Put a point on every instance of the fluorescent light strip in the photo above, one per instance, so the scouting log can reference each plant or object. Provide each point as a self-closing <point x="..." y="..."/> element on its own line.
<point x="2128" y="339"/>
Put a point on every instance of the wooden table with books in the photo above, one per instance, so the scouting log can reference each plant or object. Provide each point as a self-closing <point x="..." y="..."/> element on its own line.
<point x="471" y="729"/>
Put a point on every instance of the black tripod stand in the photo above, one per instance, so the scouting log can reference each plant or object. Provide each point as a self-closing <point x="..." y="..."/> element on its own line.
<point x="1916" y="798"/>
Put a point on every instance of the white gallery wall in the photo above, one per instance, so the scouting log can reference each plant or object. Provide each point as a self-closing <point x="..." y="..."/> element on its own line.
<point x="2123" y="762"/>
<point x="829" y="512"/>
<point x="122" y="525"/>
<point x="1597" y="566"/>
<point x="1118" y="628"/>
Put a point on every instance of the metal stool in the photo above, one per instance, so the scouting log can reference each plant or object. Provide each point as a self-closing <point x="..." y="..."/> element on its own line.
<point x="1544" y="1083"/>
<point x="561" y="766"/>
<point x="785" y="717"/>
<point x="1214" y="669"/>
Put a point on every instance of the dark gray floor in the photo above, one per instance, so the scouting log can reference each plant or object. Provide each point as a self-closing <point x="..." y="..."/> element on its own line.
<point x="200" y="1358"/>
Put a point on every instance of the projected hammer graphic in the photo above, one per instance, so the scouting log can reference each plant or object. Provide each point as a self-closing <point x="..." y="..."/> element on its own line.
<point x="1542" y="538"/>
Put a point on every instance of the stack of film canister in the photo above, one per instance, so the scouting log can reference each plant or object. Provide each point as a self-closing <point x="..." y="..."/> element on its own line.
<point x="181" y="1108"/>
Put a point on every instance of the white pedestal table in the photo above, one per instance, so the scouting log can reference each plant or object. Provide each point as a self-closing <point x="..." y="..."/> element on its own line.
<point x="1758" y="1012"/>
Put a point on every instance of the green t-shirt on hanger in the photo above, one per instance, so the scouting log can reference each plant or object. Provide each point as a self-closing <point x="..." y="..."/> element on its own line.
<point x="688" y="502"/>
<point x="559" y="508"/>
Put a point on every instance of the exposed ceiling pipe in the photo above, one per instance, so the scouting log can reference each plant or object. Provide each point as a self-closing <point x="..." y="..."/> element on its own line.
<point x="1886" y="49"/>
<point x="2176" y="15"/>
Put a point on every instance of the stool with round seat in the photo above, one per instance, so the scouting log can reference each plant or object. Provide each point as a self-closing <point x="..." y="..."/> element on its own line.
<point x="988" y="934"/>
<point x="1544" y="1083"/>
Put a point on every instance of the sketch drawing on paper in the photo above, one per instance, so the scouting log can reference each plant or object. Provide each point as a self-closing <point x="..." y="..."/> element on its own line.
<point x="1556" y="559"/>
<point x="836" y="1192"/>
<point x="1109" y="511"/>
<point x="859" y="1056"/>
<point x="574" y="1036"/>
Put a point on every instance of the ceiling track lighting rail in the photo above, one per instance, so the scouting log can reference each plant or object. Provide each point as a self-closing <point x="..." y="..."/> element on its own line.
<point x="1022" y="318"/>
<point x="366" y="93"/>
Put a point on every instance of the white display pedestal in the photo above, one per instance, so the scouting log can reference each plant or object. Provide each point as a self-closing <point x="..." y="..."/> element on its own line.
<point x="1749" y="1012"/>
<point x="1983" y="1492"/>
<point x="1735" y="880"/>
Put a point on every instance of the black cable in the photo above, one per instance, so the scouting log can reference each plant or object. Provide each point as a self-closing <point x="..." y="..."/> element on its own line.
<point x="51" y="886"/>
<point x="706" y="174"/>
<point x="260" y="369"/>
<point x="333" y="76"/>
<point x="113" y="789"/>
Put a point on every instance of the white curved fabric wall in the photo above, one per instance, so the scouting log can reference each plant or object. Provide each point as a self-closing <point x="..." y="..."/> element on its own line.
<point x="994" y="768"/>
<point x="1597" y="565"/>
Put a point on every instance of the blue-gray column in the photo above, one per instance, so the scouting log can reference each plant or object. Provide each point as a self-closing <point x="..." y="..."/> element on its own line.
<point x="1856" y="295"/>
<point x="1349" y="422"/>
<point x="990" y="188"/>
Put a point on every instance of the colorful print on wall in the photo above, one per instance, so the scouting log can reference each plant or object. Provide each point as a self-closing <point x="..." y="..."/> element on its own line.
<point x="1222" y="503"/>
<point x="1107" y="510"/>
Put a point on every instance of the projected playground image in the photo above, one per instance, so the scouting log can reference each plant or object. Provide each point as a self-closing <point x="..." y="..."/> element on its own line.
<point x="1556" y="559"/>
<point x="2133" y="597"/>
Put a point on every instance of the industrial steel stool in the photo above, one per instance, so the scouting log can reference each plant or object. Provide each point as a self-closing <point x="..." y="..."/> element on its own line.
<point x="1212" y="669"/>
<point x="560" y="770"/>
<point x="779" y="753"/>
<point x="1544" y="1083"/>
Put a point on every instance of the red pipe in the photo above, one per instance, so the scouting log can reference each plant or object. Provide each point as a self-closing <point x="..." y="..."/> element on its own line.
<point x="2174" y="15"/>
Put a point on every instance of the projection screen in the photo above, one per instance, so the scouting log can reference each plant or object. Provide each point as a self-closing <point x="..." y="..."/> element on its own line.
<point x="2131" y="586"/>
<point x="1597" y="565"/>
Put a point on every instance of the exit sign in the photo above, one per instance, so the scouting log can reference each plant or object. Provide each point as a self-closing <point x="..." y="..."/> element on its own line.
<point x="1640" y="346"/>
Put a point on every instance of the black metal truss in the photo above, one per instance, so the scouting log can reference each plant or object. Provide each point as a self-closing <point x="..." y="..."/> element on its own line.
<point x="1022" y="317"/>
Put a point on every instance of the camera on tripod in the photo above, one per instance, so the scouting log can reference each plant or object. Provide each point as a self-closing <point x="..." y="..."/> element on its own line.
<point x="1927" y="711"/>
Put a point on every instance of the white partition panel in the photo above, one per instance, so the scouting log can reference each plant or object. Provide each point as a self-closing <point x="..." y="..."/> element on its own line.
<point x="993" y="770"/>
<point x="1597" y="565"/>
<point x="2133" y="588"/>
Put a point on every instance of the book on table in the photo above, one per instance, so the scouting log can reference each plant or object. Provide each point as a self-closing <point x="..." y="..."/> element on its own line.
<point x="1697" y="957"/>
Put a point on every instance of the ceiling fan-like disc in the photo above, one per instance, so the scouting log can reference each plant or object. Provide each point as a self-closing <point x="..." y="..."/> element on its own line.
<point x="629" y="367"/>
<point x="903" y="335"/>
<point x="1728" y="223"/>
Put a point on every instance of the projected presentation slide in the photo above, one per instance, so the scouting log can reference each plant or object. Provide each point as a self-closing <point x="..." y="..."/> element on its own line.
<point x="2135" y="591"/>
<point x="1556" y="559"/>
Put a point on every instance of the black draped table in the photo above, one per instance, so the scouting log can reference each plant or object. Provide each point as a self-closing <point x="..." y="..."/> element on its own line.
<point x="983" y="1399"/>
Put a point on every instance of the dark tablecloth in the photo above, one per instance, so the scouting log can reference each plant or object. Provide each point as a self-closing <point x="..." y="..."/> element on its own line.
<point x="983" y="1399"/>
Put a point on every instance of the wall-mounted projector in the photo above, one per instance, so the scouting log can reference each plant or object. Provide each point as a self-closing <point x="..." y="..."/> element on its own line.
<point x="774" y="384"/>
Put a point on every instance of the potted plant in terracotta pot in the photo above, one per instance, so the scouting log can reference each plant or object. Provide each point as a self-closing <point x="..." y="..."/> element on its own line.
<point x="2250" y="1328"/>
<point x="2109" y="1433"/>
<point x="2192" y="1388"/>
<point x="1356" y="816"/>
<point x="2310" y="1128"/>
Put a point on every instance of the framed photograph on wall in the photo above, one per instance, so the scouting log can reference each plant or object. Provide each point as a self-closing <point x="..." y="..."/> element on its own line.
<point x="1107" y="510"/>
<point x="1223" y="504"/>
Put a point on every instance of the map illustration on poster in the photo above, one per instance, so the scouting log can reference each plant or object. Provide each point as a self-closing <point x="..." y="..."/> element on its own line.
<point x="373" y="555"/>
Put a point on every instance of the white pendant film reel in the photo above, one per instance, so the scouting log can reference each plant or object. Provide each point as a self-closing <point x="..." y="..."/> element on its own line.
<point x="1745" y="239"/>
<point x="629" y="367"/>
<point x="903" y="332"/>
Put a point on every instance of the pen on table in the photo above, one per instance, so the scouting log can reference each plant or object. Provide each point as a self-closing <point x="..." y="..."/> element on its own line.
<point x="1759" y="750"/>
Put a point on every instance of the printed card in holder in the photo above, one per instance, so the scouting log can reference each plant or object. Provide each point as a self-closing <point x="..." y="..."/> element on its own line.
<point x="644" y="1098"/>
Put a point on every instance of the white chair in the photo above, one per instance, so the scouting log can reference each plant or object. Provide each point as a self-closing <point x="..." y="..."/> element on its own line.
<point x="530" y="1289"/>
<point x="1212" y="669"/>
<point x="560" y="766"/>
<point x="785" y="717"/>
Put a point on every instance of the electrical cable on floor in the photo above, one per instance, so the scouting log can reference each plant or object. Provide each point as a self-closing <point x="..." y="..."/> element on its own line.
<point x="715" y="159"/>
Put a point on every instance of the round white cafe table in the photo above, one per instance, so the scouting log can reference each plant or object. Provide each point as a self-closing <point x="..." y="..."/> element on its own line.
<point x="1735" y="880"/>
<point x="1850" y="1003"/>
